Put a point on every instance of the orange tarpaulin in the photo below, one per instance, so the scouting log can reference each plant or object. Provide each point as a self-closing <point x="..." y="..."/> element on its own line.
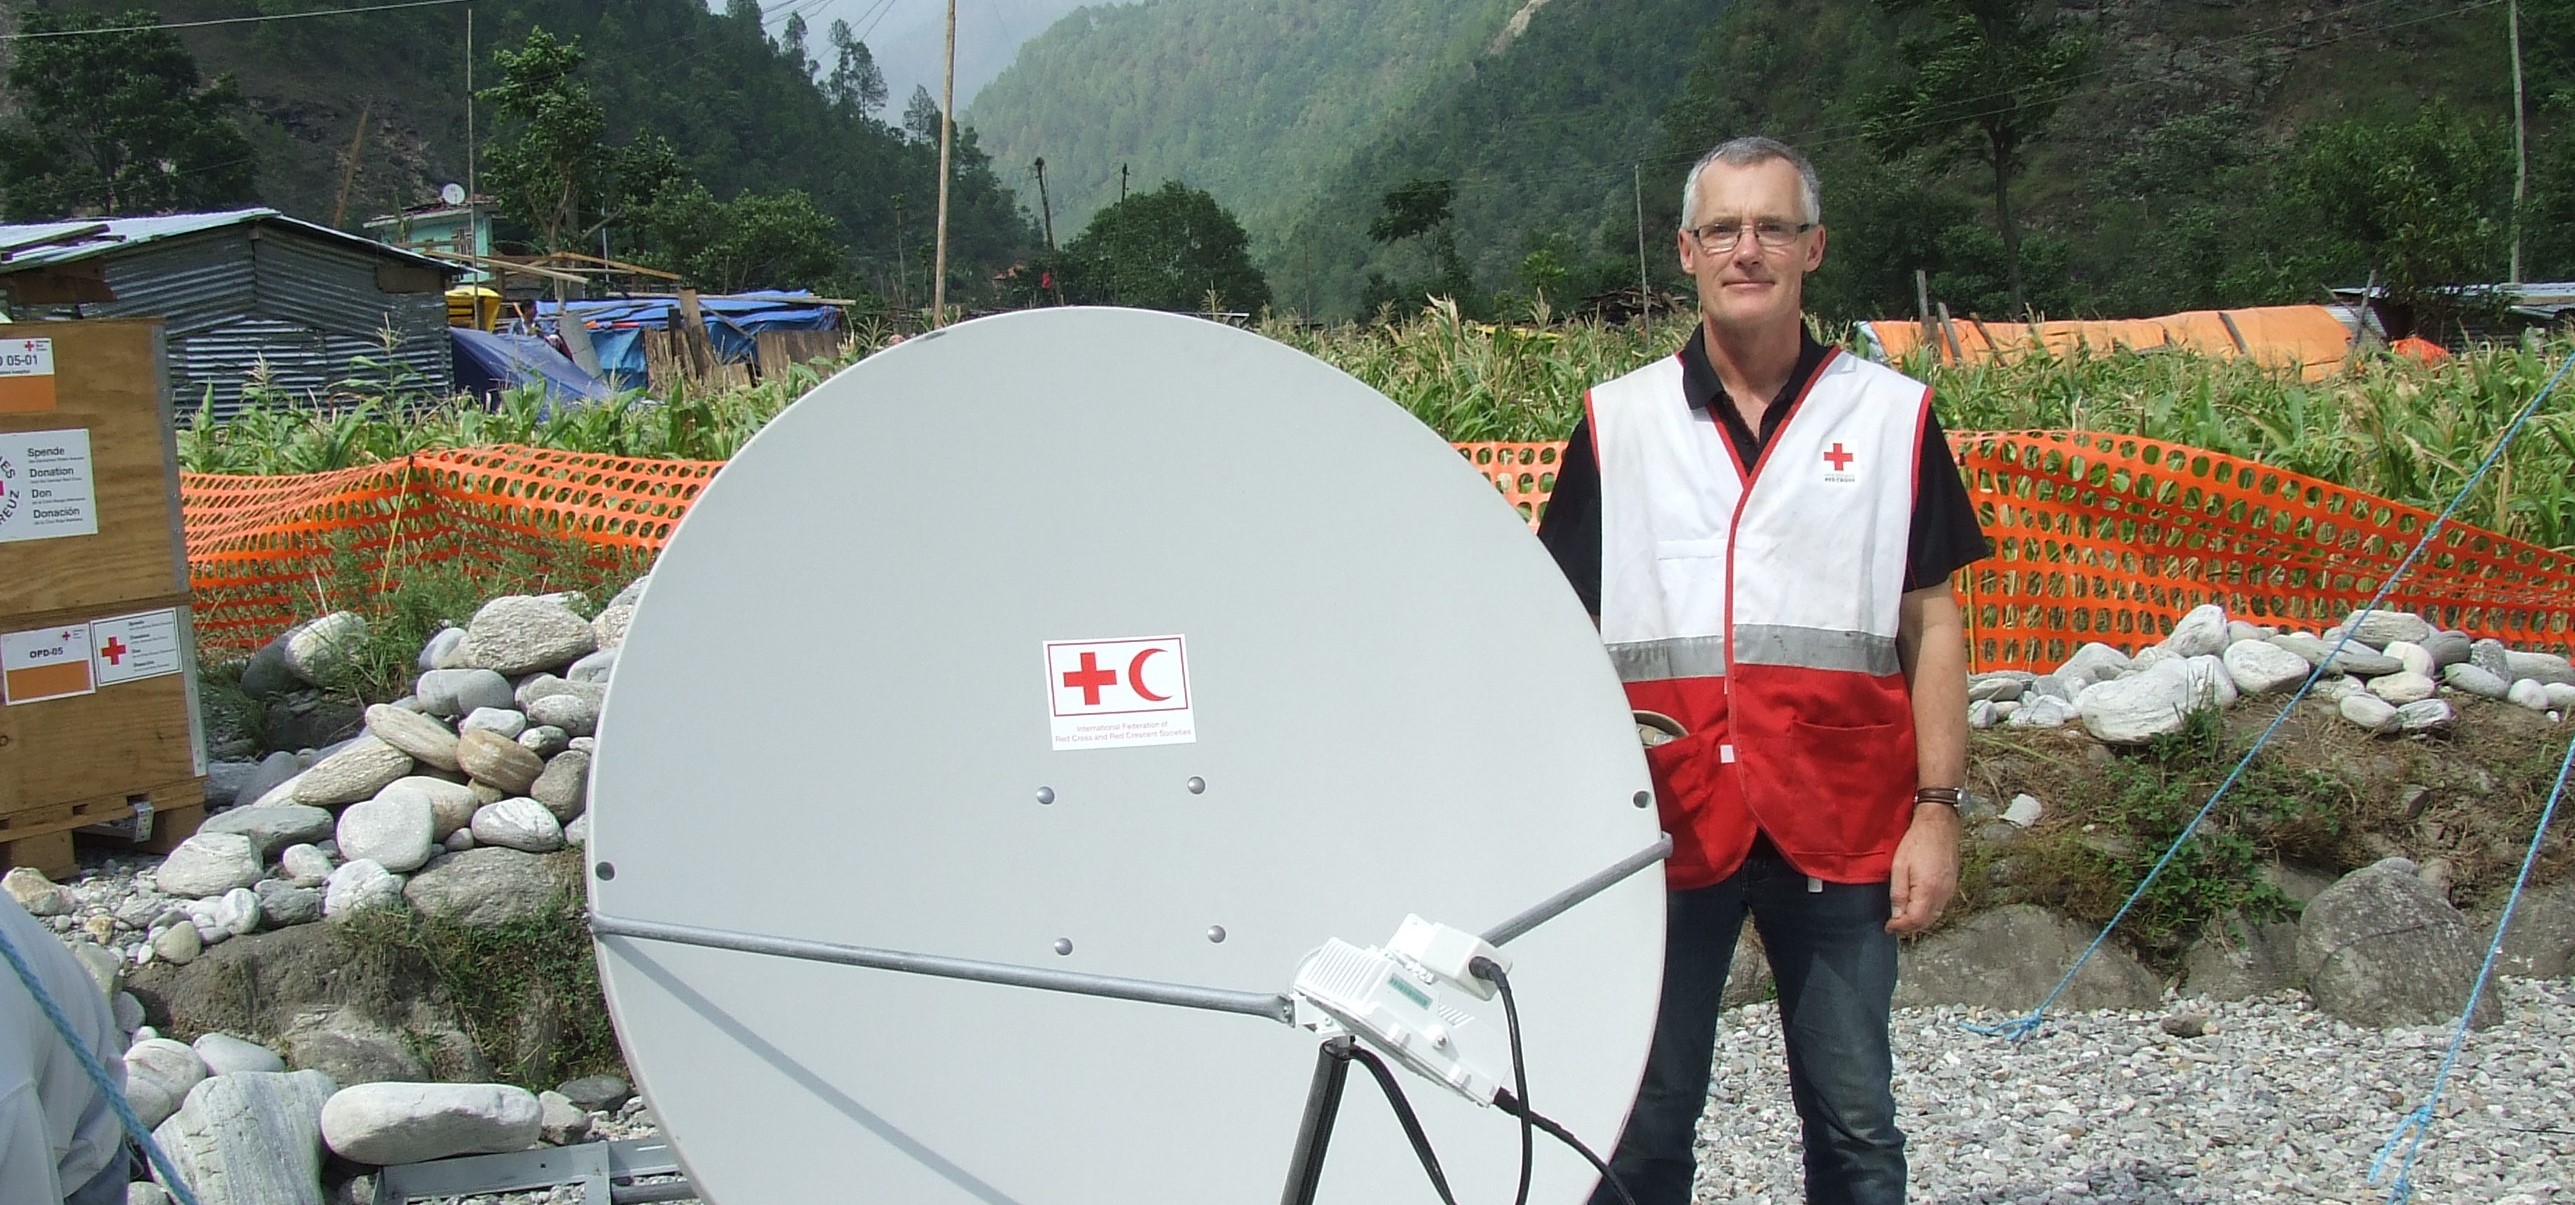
<point x="2309" y="339"/>
<point x="2097" y="537"/>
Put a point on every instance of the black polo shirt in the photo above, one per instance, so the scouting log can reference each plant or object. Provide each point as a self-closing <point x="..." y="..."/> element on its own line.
<point x="1944" y="538"/>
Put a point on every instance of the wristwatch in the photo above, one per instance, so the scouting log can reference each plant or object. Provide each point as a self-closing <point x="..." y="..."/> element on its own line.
<point x="1948" y="797"/>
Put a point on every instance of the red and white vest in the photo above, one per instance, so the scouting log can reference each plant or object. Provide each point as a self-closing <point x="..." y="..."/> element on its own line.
<point x="1756" y="604"/>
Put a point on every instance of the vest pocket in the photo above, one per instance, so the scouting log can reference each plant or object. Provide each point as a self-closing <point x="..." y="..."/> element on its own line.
<point x="1854" y="780"/>
<point x="1692" y="574"/>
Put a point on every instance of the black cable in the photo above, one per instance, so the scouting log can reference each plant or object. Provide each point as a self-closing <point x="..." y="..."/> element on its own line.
<point x="1404" y="1114"/>
<point x="1511" y="1104"/>
<point x="1491" y="971"/>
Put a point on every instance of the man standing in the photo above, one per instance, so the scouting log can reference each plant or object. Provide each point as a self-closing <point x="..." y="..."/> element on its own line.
<point x="1765" y="529"/>
<point x="58" y="1140"/>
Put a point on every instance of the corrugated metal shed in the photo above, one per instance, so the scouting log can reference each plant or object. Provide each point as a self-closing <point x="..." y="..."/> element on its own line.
<point x="248" y="295"/>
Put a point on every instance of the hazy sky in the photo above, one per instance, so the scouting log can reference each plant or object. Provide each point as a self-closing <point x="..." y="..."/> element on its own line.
<point x="907" y="37"/>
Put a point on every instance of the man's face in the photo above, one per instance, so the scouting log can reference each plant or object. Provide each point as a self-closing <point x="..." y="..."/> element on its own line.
<point x="1751" y="285"/>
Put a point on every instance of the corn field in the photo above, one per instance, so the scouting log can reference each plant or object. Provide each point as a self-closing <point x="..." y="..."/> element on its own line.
<point x="2386" y="425"/>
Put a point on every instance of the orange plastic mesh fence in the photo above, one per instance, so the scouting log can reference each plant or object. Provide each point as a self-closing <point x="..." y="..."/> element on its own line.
<point x="2096" y="537"/>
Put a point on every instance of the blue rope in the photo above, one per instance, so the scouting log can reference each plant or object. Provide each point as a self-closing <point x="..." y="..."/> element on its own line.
<point x="97" y="1072"/>
<point x="2018" y="1028"/>
<point x="2412" y="1129"/>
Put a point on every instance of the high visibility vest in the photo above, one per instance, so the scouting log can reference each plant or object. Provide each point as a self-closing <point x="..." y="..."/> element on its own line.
<point x="1756" y="604"/>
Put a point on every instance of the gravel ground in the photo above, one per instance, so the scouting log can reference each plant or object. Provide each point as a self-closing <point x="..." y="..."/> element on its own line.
<point x="2275" y="1102"/>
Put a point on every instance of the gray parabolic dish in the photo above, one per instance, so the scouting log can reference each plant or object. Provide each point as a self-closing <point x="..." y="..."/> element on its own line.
<point x="834" y="717"/>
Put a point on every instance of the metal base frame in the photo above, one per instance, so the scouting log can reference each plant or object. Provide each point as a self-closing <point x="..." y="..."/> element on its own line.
<point x="605" y="1171"/>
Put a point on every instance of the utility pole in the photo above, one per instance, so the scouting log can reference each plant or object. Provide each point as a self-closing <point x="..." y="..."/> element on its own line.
<point x="1644" y="289"/>
<point x="2520" y="138"/>
<point x="470" y="194"/>
<point x="1122" y="182"/>
<point x="349" y="174"/>
<point x="947" y="135"/>
<point x="1045" y="207"/>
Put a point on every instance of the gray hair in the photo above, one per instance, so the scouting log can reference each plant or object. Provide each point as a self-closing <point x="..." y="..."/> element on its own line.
<point x="1745" y="152"/>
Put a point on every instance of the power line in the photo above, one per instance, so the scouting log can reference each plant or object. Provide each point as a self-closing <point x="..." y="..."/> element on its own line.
<point x="323" y="12"/>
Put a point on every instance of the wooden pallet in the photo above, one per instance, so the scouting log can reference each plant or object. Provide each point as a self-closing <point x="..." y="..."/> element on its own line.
<point x="42" y="836"/>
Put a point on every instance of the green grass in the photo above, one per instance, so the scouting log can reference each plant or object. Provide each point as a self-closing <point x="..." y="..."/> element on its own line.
<point x="2387" y="426"/>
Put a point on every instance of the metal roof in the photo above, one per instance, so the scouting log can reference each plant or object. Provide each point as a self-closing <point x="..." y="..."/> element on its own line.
<point x="44" y="244"/>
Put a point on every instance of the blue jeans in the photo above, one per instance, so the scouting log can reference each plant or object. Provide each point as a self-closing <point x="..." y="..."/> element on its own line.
<point x="1835" y="963"/>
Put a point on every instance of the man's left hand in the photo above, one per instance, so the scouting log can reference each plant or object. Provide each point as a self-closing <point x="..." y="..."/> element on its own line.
<point x="1925" y="874"/>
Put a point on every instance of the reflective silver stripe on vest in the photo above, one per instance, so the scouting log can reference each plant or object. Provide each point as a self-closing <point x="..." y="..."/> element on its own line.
<point x="1663" y="660"/>
<point x="1816" y="648"/>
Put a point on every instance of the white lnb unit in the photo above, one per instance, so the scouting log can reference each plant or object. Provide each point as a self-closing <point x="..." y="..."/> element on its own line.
<point x="1448" y="953"/>
<point x="1394" y="1005"/>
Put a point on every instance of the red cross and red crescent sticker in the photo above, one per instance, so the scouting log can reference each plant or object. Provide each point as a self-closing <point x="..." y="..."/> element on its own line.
<point x="1125" y="691"/>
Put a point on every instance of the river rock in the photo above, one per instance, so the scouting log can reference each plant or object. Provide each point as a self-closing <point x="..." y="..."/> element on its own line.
<point x="596" y="1093"/>
<point x="610" y="627"/>
<point x="225" y="1054"/>
<point x="265" y="675"/>
<point x="2024" y="811"/>
<point x="2541" y="942"/>
<point x="2370" y="712"/>
<point x="2242" y="959"/>
<point x="499" y="761"/>
<point x="504" y="721"/>
<point x="485" y="887"/>
<point x="521" y="824"/>
<point x="597" y="667"/>
<point x="633" y="593"/>
<point x="357" y="886"/>
<point x="305" y="865"/>
<point x="2475" y="680"/>
<point x="395" y="830"/>
<point x="440" y="647"/>
<point x="2199" y="633"/>
<point x="319" y="651"/>
<point x="451" y="803"/>
<point x="2528" y="693"/>
<point x="545" y="740"/>
<point x="2041" y="711"/>
<point x="426" y="740"/>
<point x="274" y="770"/>
<point x="564" y="788"/>
<point x="2147" y="658"/>
<point x="231" y="914"/>
<point x="545" y="686"/>
<point x="449" y="693"/>
<point x="2094" y="662"/>
<point x="1997" y="687"/>
<point x="388" y="1123"/>
<point x="178" y="944"/>
<point x="2211" y="685"/>
<point x="362" y="768"/>
<point x="2492" y="656"/>
<point x="283" y="903"/>
<point x="2353" y="659"/>
<point x="2010" y="957"/>
<point x="2448" y="649"/>
<point x="577" y="833"/>
<point x="2136" y="709"/>
<point x="2377" y="628"/>
<point x="2380" y="947"/>
<point x="2260" y="667"/>
<point x="2402" y="688"/>
<point x="273" y="828"/>
<point x="158" y="1074"/>
<point x="2544" y="668"/>
<point x="2414" y="657"/>
<point x="2426" y="715"/>
<point x="210" y="864"/>
<point x="351" y="1048"/>
<point x="517" y="634"/>
<point x="575" y="714"/>
<point x="39" y="895"/>
<point x="251" y="1139"/>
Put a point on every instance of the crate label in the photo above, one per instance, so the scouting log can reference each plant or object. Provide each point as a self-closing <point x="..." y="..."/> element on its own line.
<point x="49" y="663"/>
<point x="128" y="648"/>
<point x="26" y="376"/>
<point x="45" y="486"/>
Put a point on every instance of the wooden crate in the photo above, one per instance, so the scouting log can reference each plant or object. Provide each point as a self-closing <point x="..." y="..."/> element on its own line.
<point x="120" y="736"/>
<point x="109" y="384"/>
<point x="42" y="837"/>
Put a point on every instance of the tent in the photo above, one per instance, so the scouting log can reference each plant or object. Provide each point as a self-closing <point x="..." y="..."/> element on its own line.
<point x="733" y="323"/>
<point x="2311" y="339"/>
<point x="488" y="363"/>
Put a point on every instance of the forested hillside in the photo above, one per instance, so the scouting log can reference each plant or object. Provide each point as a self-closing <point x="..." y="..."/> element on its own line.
<point x="1260" y="102"/>
<point x="2158" y="153"/>
<point x="742" y="107"/>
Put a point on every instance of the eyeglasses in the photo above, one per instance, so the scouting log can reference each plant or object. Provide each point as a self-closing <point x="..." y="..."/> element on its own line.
<point x="1719" y="237"/>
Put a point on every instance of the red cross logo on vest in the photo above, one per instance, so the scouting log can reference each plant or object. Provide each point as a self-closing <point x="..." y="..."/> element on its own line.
<point x="1840" y="458"/>
<point x="115" y="650"/>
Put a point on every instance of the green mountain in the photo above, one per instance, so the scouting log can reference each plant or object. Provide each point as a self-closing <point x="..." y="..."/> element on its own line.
<point x="741" y="107"/>
<point x="2201" y="154"/>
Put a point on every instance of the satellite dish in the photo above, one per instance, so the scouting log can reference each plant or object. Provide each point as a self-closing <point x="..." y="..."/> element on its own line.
<point x="453" y="194"/>
<point x="1072" y="676"/>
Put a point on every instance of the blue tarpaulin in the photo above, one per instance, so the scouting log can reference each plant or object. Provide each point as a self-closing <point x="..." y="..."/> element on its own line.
<point x="487" y="364"/>
<point x="732" y="320"/>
